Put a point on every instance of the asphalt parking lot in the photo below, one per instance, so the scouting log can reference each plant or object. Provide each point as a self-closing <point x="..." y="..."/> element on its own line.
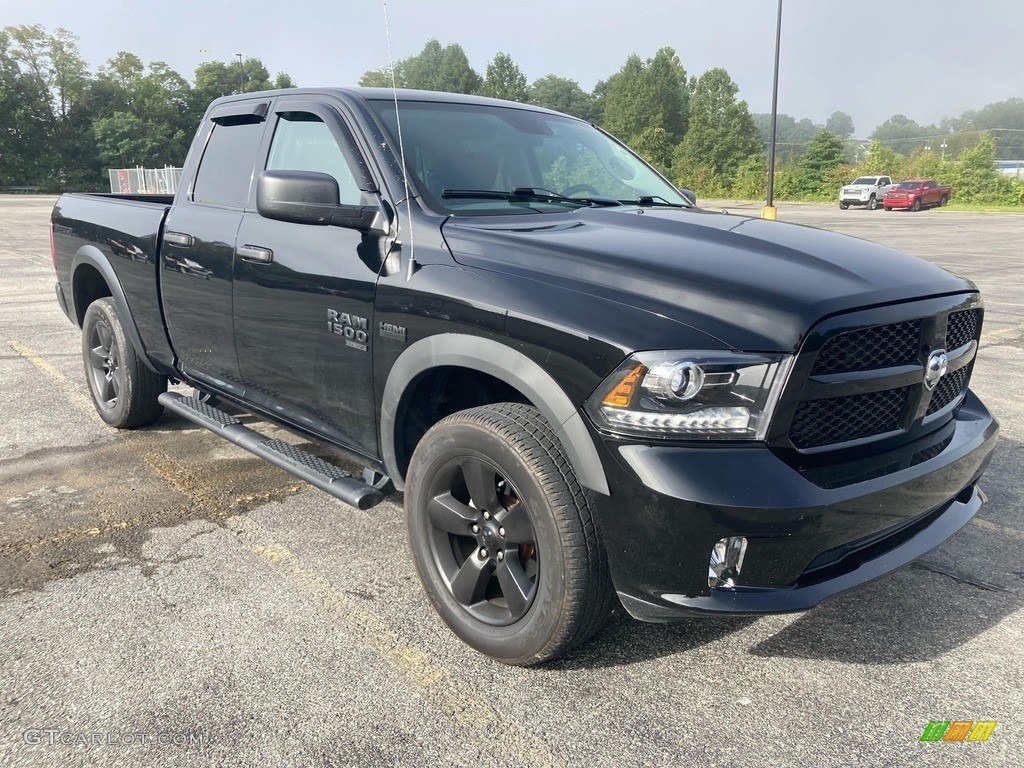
<point x="169" y="599"/>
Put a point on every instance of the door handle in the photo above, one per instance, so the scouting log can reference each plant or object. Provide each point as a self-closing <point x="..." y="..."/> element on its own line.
<point x="255" y="254"/>
<point x="178" y="238"/>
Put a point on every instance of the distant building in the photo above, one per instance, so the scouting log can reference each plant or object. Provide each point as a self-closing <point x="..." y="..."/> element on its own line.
<point x="1013" y="168"/>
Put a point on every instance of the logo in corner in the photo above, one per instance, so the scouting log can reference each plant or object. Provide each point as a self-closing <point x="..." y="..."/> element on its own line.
<point x="935" y="368"/>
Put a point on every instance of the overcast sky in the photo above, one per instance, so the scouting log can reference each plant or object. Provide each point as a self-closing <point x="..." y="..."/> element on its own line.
<point x="871" y="60"/>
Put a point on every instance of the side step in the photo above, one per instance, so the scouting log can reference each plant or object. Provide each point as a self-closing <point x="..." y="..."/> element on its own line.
<point x="314" y="470"/>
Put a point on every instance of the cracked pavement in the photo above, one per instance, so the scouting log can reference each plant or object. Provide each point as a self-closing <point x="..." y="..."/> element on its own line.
<point x="164" y="581"/>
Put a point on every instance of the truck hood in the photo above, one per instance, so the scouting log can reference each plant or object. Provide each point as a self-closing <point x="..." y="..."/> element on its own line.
<point x="752" y="284"/>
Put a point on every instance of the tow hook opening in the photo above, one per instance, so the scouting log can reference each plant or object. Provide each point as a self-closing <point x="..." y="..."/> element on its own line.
<point x="726" y="562"/>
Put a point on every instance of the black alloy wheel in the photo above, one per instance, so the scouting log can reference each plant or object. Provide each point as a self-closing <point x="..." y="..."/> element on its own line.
<point x="482" y="540"/>
<point x="124" y="389"/>
<point x="104" y="365"/>
<point x="503" y="536"/>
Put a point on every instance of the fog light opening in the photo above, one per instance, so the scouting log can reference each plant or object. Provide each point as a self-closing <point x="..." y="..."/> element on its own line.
<point x="726" y="562"/>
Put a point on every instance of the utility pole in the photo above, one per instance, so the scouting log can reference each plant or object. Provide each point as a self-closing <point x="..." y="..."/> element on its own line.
<point x="769" y="211"/>
<point x="241" y="72"/>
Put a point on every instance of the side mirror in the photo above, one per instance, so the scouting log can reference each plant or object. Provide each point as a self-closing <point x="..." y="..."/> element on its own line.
<point x="310" y="197"/>
<point x="689" y="194"/>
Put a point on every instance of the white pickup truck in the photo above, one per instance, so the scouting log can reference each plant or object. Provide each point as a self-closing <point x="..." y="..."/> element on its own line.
<point x="866" y="190"/>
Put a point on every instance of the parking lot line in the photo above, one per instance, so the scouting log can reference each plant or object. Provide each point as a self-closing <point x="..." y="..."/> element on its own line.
<point x="52" y="373"/>
<point x="481" y="722"/>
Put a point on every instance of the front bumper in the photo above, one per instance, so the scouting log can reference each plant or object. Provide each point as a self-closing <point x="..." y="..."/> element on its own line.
<point x="854" y="199"/>
<point x="806" y="542"/>
<point x="903" y="202"/>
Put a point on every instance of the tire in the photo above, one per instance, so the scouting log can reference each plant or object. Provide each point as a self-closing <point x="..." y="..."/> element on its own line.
<point x="888" y="207"/>
<point x="917" y="205"/>
<point x="522" y="595"/>
<point x="943" y="201"/>
<point x="123" y="389"/>
<point x="873" y="203"/>
<point x="843" y="206"/>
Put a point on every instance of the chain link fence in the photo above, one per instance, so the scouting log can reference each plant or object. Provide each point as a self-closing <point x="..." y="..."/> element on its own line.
<point x="144" y="181"/>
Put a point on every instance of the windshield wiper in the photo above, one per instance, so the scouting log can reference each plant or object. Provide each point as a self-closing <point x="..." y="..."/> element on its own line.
<point x="525" y="194"/>
<point x="656" y="200"/>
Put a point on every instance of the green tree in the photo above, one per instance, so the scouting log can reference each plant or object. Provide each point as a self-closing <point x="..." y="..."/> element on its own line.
<point x="284" y="80"/>
<point x="791" y="135"/>
<point x="643" y="94"/>
<point x="562" y="95"/>
<point x="27" y="120"/>
<point x="841" y="124"/>
<point x="823" y="157"/>
<point x="505" y="80"/>
<point x="435" y="68"/>
<point x="902" y="134"/>
<point x="722" y="134"/>
<point x="882" y="160"/>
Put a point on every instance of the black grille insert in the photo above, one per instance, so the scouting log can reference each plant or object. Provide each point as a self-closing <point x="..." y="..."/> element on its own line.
<point x="948" y="389"/>
<point x="962" y="327"/>
<point x="866" y="349"/>
<point x="839" y="419"/>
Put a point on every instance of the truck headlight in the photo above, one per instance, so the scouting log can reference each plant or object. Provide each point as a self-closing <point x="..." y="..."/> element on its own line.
<point x="691" y="395"/>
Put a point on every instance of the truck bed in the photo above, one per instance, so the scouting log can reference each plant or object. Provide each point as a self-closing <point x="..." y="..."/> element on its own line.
<point x="125" y="229"/>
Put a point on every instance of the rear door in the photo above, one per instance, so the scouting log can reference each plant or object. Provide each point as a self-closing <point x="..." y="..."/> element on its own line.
<point x="198" y="250"/>
<point x="304" y="294"/>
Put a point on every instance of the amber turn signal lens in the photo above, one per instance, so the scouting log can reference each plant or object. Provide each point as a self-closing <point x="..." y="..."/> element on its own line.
<point x="621" y="394"/>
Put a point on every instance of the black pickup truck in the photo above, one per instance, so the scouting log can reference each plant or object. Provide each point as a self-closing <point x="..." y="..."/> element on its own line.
<point x="590" y="391"/>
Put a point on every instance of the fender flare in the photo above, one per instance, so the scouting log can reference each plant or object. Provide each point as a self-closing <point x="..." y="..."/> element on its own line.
<point x="501" y="361"/>
<point x="91" y="255"/>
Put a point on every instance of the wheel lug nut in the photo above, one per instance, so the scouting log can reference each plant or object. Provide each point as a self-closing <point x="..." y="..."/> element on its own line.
<point x="483" y="553"/>
<point x="501" y="556"/>
<point x="476" y="528"/>
<point x="501" y="531"/>
<point x="487" y="515"/>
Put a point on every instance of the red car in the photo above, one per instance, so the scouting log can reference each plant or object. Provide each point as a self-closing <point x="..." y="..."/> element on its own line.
<point x="916" y="194"/>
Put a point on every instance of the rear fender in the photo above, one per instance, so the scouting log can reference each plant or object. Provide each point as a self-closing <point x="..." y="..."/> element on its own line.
<point x="92" y="256"/>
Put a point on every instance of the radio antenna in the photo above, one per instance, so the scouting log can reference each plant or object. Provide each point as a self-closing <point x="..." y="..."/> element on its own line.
<point x="411" y="265"/>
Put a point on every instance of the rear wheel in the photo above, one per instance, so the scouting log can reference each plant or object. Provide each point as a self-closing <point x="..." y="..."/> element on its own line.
<point x="503" y="535"/>
<point x="123" y="389"/>
<point x="872" y="203"/>
<point x="917" y="205"/>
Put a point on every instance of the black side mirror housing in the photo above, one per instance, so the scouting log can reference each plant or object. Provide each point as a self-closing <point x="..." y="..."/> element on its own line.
<point x="689" y="194"/>
<point x="310" y="197"/>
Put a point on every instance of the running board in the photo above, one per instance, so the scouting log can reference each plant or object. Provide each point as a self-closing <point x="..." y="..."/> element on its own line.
<point x="314" y="470"/>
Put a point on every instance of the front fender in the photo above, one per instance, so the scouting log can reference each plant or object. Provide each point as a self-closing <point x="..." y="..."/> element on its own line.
<point x="92" y="256"/>
<point x="502" y="362"/>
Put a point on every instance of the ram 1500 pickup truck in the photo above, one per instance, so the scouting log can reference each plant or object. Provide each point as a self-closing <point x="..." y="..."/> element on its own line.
<point x="591" y="392"/>
<point x="916" y="194"/>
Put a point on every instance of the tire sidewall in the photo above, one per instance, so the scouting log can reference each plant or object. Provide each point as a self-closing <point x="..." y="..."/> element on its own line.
<point x="531" y="634"/>
<point x="103" y="309"/>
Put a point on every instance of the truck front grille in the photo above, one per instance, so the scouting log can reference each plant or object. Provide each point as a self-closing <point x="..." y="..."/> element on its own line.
<point x="868" y="382"/>
<point x="840" y="419"/>
<point x="880" y="346"/>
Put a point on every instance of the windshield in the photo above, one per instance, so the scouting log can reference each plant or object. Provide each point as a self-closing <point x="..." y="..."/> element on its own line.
<point x="456" y="150"/>
<point x="867" y="180"/>
<point x="908" y="185"/>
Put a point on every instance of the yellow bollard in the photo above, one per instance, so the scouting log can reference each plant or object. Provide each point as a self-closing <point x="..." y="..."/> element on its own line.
<point x="768" y="212"/>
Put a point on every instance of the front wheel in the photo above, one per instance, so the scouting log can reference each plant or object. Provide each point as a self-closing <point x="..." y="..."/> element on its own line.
<point x="503" y="535"/>
<point x="943" y="201"/>
<point x="873" y="203"/>
<point x="888" y="207"/>
<point x="123" y="389"/>
<point x="917" y="205"/>
<point x="843" y="206"/>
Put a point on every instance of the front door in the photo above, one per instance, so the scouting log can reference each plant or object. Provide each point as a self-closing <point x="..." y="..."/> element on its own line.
<point x="304" y="294"/>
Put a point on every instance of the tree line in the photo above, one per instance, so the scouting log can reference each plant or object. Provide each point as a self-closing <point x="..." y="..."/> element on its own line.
<point x="63" y="126"/>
